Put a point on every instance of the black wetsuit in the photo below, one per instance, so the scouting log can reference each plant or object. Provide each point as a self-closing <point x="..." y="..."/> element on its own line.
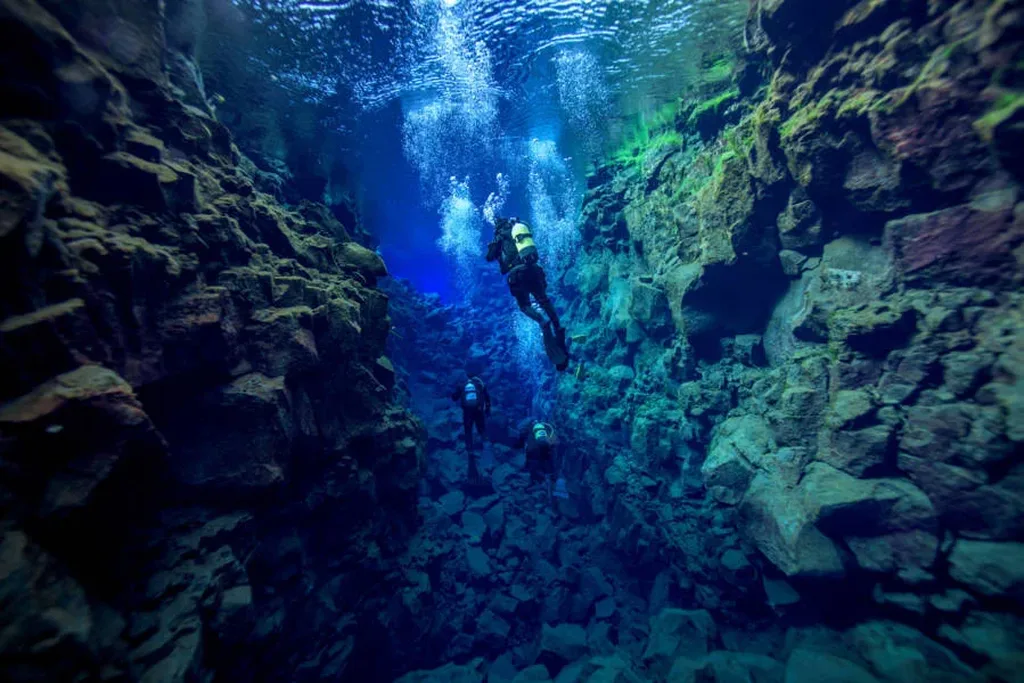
<point x="473" y="415"/>
<point x="525" y="279"/>
<point x="540" y="455"/>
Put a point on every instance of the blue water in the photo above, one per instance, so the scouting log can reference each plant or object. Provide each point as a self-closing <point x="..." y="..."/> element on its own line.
<point x="421" y="92"/>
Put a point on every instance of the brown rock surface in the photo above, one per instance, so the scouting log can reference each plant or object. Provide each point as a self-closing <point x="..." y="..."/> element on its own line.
<point x="187" y="366"/>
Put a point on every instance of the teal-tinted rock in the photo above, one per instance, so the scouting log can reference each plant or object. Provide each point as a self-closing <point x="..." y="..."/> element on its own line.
<point x="779" y="593"/>
<point x="452" y="502"/>
<point x="537" y="673"/>
<point x="740" y="445"/>
<point x="479" y="564"/>
<point x="785" y="532"/>
<point x="493" y="628"/>
<point x="568" y="642"/>
<point x="495" y="518"/>
<point x="502" y="603"/>
<point x="989" y="568"/>
<point x="909" y="553"/>
<point x="952" y="601"/>
<point x="897" y="652"/>
<point x="677" y="633"/>
<point x="864" y="507"/>
<point x="726" y="667"/>
<point x="474" y="526"/>
<point x="449" y="673"/>
<point x="621" y="376"/>
<point x="848" y="407"/>
<point x="998" y="636"/>
<point x="856" y="452"/>
<point x="806" y="666"/>
<point x="604" y="609"/>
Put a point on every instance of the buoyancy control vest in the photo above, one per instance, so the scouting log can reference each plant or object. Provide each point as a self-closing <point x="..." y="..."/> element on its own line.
<point x="526" y="248"/>
<point x="470" y="396"/>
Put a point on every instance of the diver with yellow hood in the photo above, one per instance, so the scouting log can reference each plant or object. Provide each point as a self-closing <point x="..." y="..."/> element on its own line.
<point x="516" y="253"/>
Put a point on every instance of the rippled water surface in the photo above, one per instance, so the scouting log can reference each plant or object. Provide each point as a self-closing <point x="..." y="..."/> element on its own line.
<point x="380" y="50"/>
<point x="438" y="97"/>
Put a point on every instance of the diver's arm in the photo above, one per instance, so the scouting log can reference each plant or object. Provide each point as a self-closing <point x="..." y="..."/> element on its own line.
<point x="493" y="251"/>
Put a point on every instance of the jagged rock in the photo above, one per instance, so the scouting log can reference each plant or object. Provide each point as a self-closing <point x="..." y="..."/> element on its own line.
<point x="953" y="601"/>
<point x="875" y="329"/>
<point x="800" y="223"/>
<point x="792" y="262"/>
<point x="779" y="593"/>
<point x="91" y="425"/>
<point x="252" y="418"/>
<point x="676" y="633"/>
<point x="566" y="642"/>
<point x="805" y="666"/>
<point x="902" y="552"/>
<point x="449" y="673"/>
<point x="898" y="652"/>
<point x="479" y="564"/>
<point x="473" y="526"/>
<point x="493" y="629"/>
<point x="45" y="611"/>
<point x="989" y="568"/>
<point x="722" y="667"/>
<point x="940" y="246"/>
<point x="785" y="532"/>
<point x="739" y="447"/>
<point x="605" y="609"/>
<point x="537" y="673"/>
<point x="857" y="452"/>
<point x="864" y="506"/>
<point x="453" y="502"/>
<point x="994" y="636"/>
<point x="365" y="262"/>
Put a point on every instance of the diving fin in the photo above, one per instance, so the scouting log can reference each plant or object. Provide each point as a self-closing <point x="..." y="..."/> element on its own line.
<point x="560" y="490"/>
<point x="554" y="347"/>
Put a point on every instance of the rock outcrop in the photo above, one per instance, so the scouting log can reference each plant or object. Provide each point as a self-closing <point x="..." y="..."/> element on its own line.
<point x="793" y="433"/>
<point x="803" y="329"/>
<point x="203" y="466"/>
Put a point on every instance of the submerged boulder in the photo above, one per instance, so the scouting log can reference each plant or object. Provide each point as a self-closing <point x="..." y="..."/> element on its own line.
<point x="678" y="633"/>
<point x="784" y="530"/>
<point x="992" y="569"/>
<point x="807" y="666"/>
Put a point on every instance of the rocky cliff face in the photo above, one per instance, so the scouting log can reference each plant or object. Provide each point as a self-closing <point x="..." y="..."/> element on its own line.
<point x="794" y="436"/>
<point x="202" y="467"/>
<point x="804" y="326"/>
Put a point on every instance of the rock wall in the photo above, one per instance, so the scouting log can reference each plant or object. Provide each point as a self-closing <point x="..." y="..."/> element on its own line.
<point x="803" y="332"/>
<point x="203" y="468"/>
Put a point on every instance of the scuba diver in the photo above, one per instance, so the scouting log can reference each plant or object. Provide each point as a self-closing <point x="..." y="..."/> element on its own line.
<point x="472" y="395"/>
<point x="516" y="253"/>
<point x="541" y="453"/>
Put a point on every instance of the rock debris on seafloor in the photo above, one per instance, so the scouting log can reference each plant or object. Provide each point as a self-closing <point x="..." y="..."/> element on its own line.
<point x="792" y="429"/>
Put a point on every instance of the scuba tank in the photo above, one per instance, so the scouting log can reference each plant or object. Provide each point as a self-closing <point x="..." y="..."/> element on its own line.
<point x="469" y="396"/>
<point x="525" y="246"/>
<point x="541" y="433"/>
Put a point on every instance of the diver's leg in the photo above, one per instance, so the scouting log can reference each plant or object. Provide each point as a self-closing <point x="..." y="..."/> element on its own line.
<point x="481" y="425"/>
<point x="540" y="293"/>
<point x="467" y="428"/>
<point x="522" y="295"/>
